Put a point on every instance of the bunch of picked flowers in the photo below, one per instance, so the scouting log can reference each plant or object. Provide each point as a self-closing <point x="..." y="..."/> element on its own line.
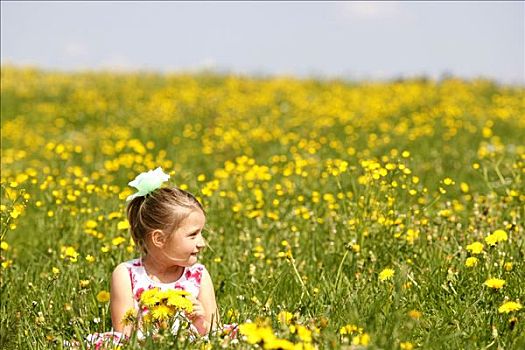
<point x="162" y="310"/>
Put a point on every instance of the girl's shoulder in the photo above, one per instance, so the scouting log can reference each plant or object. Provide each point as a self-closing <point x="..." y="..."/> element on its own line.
<point x="133" y="263"/>
<point x="129" y="267"/>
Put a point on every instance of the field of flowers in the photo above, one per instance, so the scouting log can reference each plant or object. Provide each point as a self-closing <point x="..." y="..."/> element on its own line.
<point x="339" y="214"/>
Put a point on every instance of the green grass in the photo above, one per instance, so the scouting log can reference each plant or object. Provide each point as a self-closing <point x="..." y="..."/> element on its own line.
<point x="199" y="125"/>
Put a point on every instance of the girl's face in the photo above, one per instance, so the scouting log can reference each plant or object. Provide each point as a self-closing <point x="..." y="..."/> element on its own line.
<point x="182" y="247"/>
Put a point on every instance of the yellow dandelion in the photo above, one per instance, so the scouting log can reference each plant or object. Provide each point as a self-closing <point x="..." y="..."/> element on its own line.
<point x="103" y="296"/>
<point x="255" y="334"/>
<point x="130" y="317"/>
<point x="178" y="299"/>
<point x="304" y="334"/>
<point x="491" y="240"/>
<point x="361" y="339"/>
<point x="83" y="283"/>
<point x="277" y="343"/>
<point x="496" y="237"/>
<point x="500" y="235"/>
<point x="415" y="314"/>
<point x="494" y="283"/>
<point x="69" y="253"/>
<point x="118" y="241"/>
<point x="161" y="312"/>
<point x="150" y="297"/>
<point x="509" y="306"/>
<point x="471" y="261"/>
<point x="464" y="187"/>
<point x="348" y="329"/>
<point x="448" y="181"/>
<point x="15" y="213"/>
<point x="386" y="274"/>
<point x="475" y="248"/>
<point x="90" y="224"/>
<point x="406" y="345"/>
<point x="123" y="225"/>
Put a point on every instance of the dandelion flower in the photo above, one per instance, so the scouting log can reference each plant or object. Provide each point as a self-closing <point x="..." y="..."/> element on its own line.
<point x="91" y="224"/>
<point x="161" y="312"/>
<point x="255" y="334"/>
<point x="406" y="345"/>
<point x="386" y="274"/>
<point x="177" y="299"/>
<point x="509" y="306"/>
<point x="349" y="329"/>
<point x="415" y="314"/>
<point x="475" y="248"/>
<point x="276" y="343"/>
<point x="103" y="296"/>
<point x="130" y="317"/>
<point x="448" y="181"/>
<point x="123" y="225"/>
<point x="496" y="237"/>
<point x="150" y="297"/>
<point x="500" y="235"/>
<point x="118" y="241"/>
<point x="69" y="253"/>
<point x="471" y="261"/>
<point x="464" y="187"/>
<point x="361" y="339"/>
<point x="83" y="283"/>
<point x="495" y="283"/>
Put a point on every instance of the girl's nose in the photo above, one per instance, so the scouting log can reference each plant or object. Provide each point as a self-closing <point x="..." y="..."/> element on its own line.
<point x="201" y="243"/>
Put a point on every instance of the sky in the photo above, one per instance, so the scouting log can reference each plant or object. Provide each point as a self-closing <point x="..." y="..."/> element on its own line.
<point x="350" y="40"/>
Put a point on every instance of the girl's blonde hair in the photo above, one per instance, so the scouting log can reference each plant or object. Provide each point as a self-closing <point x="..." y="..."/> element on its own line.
<point x="163" y="209"/>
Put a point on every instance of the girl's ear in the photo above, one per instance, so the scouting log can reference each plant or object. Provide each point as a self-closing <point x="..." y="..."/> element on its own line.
<point x="158" y="238"/>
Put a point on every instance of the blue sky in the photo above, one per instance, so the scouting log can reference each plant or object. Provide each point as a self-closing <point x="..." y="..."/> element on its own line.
<point x="354" y="40"/>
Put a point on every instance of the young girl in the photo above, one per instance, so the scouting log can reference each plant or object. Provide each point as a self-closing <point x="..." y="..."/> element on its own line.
<point x="166" y="225"/>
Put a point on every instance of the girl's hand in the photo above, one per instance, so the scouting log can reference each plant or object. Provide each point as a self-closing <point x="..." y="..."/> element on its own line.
<point x="198" y="309"/>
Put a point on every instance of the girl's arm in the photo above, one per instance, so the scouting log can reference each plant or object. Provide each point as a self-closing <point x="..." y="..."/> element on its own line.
<point x="121" y="297"/>
<point x="207" y="298"/>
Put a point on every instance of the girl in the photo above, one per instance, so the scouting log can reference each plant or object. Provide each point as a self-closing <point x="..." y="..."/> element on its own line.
<point x="166" y="225"/>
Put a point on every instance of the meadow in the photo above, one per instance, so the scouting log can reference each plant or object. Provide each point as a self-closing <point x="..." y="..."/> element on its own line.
<point x="379" y="215"/>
